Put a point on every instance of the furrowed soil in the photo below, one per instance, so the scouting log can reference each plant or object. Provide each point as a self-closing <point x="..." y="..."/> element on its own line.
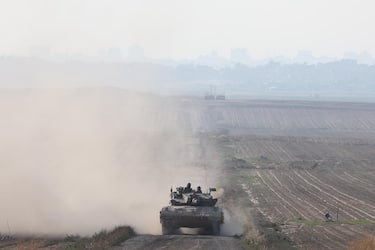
<point x="294" y="162"/>
<point x="281" y="166"/>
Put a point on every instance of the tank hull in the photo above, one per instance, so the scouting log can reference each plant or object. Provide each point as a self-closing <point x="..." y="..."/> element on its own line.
<point x="174" y="217"/>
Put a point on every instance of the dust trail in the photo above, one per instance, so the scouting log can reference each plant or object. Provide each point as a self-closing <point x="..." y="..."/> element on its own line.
<point x="80" y="160"/>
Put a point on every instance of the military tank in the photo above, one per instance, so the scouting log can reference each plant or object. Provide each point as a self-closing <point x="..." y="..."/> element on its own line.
<point x="192" y="209"/>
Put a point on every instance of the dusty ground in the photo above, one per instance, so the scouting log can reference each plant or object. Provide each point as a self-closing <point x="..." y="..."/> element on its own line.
<point x="286" y="164"/>
<point x="297" y="161"/>
<point x="282" y="166"/>
<point x="172" y="242"/>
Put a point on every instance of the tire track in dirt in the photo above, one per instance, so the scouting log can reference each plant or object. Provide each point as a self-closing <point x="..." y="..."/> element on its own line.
<point x="323" y="240"/>
<point x="328" y="194"/>
<point x="334" y="237"/>
<point x="303" y="192"/>
<point x="365" y="204"/>
<point x="297" y="196"/>
<point x="360" y="180"/>
<point x="294" y="199"/>
<point x="320" y="201"/>
<point x="352" y="185"/>
<point x="262" y="199"/>
<point x="284" y="201"/>
<point x="337" y="196"/>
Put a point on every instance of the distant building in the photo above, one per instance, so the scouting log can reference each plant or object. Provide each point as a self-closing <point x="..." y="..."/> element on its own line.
<point x="209" y="97"/>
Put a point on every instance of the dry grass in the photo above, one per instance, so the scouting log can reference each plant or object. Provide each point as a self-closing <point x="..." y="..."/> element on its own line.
<point x="252" y="236"/>
<point x="366" y="243"/>
<point x="103" y="239"/>
<point x="30" y="244"/>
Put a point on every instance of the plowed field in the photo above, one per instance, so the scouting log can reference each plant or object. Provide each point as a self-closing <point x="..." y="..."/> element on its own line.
<point x="297" y="161"/>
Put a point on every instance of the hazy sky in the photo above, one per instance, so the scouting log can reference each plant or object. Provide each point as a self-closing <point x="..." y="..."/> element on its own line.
<point x="186" y="29"/>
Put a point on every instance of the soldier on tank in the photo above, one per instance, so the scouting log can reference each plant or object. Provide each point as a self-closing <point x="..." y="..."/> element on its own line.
<point x="199" y="190"/>
<point x="188" y="188"/>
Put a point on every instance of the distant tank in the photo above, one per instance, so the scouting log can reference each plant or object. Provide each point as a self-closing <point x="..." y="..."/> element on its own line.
<point x="193" y="209"/>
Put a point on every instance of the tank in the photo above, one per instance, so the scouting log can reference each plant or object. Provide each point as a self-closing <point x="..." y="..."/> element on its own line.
<point x="192" y="209"/>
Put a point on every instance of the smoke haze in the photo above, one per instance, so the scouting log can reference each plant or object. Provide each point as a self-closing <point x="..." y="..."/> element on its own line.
<point x="80" y="160"/>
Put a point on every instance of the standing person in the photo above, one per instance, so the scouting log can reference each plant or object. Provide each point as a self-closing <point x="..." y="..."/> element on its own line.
<point x="188" y="188"/>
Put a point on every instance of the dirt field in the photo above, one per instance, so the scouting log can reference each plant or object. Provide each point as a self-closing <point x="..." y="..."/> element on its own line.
<point x="287" y="164"/>
<point x="281" y="166"/>
<point x="297" y="161"/>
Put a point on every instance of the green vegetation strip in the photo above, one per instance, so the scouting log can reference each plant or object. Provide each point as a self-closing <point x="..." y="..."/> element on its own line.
<point x="345" y="222"/>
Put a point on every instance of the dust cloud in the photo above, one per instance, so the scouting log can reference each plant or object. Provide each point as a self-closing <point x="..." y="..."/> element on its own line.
<point x="233" y="224"/>
<point x="86" y="159"/>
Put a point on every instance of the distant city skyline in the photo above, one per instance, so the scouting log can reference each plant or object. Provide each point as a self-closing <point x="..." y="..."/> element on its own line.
<point x="341" y="79"/>
<point x="185" y="30"/>
<point x="135" y="53"/>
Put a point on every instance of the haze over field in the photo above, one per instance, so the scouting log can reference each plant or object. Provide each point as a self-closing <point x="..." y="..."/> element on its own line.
<point x="102" y="110"/>
<point x="344" y="80"/>
<point x="75" y="161"/>
<point x="258" y="49"/>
